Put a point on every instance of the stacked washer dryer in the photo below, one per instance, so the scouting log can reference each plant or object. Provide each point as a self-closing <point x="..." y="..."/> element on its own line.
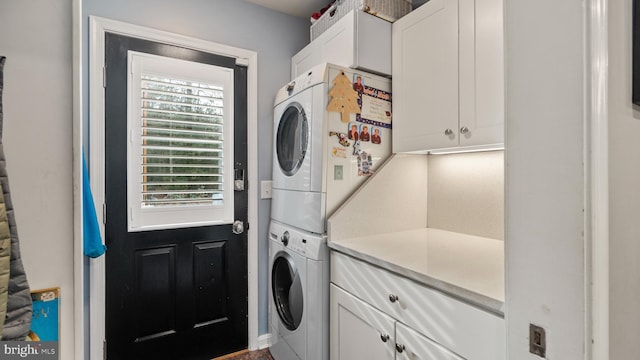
<point x="319" y="161"/>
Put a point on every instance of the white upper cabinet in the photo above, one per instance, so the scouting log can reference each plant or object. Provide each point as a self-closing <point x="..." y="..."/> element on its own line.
<point x="358" y="40"/>
<point x="448" y="76"/>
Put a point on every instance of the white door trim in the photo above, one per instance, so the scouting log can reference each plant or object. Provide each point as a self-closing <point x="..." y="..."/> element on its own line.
<point x="78" y="256"/>
<point x="97" y="28"/>
<point x="597" y="185"/>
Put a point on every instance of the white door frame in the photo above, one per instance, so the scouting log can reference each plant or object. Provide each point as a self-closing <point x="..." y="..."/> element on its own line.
<point x="97" y="28"/>
<point x="597" y="180"/>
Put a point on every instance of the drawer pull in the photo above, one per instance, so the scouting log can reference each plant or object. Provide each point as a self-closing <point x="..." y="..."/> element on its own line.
<point x="399" y="348"/>
<point x="393" y="298"/>
<point x="384" y="337"/>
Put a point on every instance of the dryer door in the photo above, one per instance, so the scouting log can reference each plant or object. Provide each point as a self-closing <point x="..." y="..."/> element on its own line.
<point x="287" y="291"/>
<point x="292" y="139"/>
<point x="292" y="153"/>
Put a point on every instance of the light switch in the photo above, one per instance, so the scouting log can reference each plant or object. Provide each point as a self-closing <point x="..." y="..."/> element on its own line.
<point x="266" y="189"/>
<point x="338" y="172"/>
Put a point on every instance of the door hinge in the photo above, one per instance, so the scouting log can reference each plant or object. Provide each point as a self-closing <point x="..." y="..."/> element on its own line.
<point x="104" y="77"/>
<point x="104" y="213"/>
<point x="242" y="61"/>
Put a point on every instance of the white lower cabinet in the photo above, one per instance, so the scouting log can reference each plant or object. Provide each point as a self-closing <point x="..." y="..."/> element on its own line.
<point x="378" y="314"/>
<point x="359" y="331"/>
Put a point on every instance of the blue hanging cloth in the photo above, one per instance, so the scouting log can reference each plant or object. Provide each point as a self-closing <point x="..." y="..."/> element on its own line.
<point x="93" y="246"/>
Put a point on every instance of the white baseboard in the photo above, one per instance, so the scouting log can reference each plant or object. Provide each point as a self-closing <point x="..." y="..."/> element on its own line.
<point x="264" y="341"/>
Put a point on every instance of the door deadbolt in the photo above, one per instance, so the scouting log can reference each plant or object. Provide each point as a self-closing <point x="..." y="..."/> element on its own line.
<point x="238" y="179"/>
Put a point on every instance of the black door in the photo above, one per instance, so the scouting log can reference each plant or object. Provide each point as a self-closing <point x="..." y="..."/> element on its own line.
<point x="175" y="293"/>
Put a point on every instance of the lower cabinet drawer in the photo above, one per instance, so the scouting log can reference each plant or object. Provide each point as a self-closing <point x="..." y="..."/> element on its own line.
<point x="414" y="346"/>
<point x="466" y="330"/>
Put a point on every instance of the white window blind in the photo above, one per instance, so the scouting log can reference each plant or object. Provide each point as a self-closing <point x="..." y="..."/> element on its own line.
<point x="182" y="142"/>
<point x="181" y="148"/>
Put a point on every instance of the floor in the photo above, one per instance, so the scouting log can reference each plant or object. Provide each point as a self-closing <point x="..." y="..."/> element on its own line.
<point x="248" y="355"/>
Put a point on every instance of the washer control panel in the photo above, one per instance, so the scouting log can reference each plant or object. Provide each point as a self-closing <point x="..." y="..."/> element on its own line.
<point x="285" y="238"/>
<point x="294" y="242"/>
<point x="309" y="245"/>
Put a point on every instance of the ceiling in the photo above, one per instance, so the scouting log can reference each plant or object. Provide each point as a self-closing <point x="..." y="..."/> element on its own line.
<point x="299" y="8"/>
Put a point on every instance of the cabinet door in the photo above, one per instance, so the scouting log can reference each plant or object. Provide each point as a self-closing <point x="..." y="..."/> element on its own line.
<point x="335" y="45"/>
<point x="425" y="77"/>
<point x="481" y="72"/>
<point x="411" y="345"/>
<point x="359" y="331"/>
<point x="304" y="60"/>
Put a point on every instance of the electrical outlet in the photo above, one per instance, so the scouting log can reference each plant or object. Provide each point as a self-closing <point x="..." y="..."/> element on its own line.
<point x="266" y="187"/>
<point x="537" y="341"/>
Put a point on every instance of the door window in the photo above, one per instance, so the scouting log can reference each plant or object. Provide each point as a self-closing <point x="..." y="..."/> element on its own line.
<point x="181" y="143"/>
<point x="292" y="139"/>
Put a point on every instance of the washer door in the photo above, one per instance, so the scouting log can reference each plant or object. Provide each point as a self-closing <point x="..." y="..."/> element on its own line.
<point x="292" y="138"/>
<point x="287" y="291"/>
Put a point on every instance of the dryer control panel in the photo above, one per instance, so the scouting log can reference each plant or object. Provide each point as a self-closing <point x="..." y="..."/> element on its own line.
<point x="312" y="77"/>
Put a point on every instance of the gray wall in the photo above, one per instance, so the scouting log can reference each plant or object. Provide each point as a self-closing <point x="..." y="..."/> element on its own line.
<point x="37" y="142"/>
<point x="274" y="36"/>
<point x="545" y="254"/>
<point x="624" y="201"/>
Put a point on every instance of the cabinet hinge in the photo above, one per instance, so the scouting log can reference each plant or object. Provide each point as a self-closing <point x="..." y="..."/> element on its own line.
<point x="104" y="77"/>
<point x="104" y="349"/>
<point x="104" y="213"/>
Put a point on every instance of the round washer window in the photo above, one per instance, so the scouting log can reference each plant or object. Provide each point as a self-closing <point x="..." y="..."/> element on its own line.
<point x="287" y="291"/>
<point x="292" y="138"/>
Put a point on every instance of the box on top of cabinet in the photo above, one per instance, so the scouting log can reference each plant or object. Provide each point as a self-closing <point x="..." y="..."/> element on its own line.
<point x="390" y="10"/>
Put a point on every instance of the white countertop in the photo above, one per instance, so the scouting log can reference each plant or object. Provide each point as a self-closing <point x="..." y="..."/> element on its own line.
<point x="467" y="267"/>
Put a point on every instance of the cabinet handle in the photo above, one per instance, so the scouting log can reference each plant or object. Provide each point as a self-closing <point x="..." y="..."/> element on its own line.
<point x="399" y="348"/>
<point x="448" y="132"/>
<point x="393" y="298"/>
<point x="464" y="130"/>
<point x="384" y="337"/>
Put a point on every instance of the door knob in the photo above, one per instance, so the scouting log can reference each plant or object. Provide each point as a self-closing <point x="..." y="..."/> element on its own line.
<point x="464" y="130"/>
<point x="393" y="298"/>
<point x="448" y="132"/>
<point x="384" y="337"/>
<point x="238" y="227"/>
<point x="400" y="348"/>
